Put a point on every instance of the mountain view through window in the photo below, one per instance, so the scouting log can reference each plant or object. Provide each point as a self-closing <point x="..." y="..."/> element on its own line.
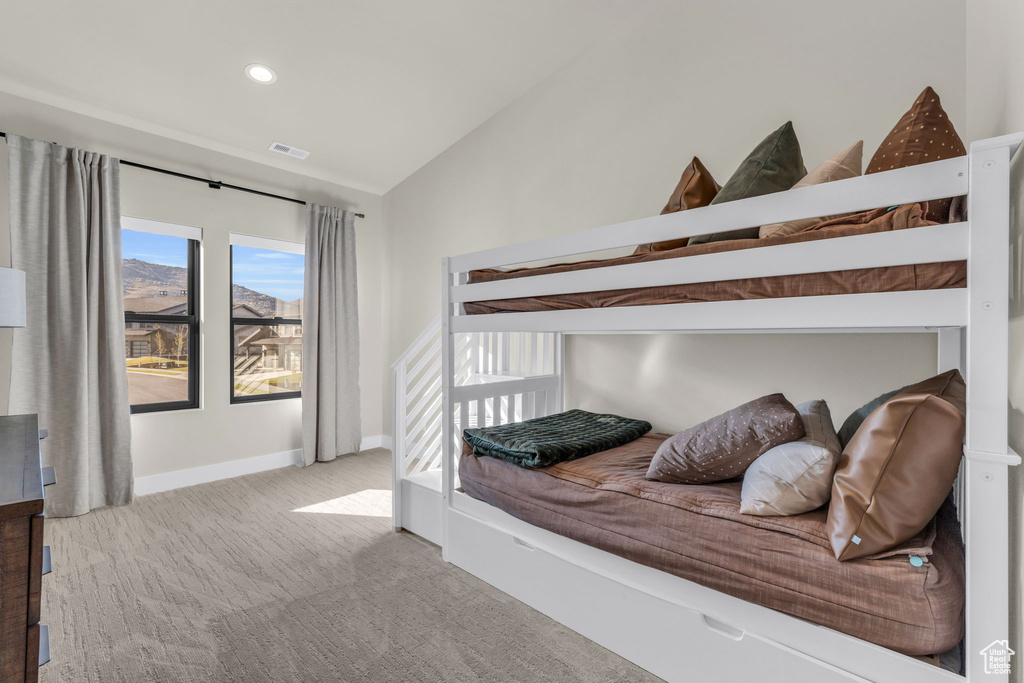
<point x="266" y="323"/>
<point x="161" y="321"/>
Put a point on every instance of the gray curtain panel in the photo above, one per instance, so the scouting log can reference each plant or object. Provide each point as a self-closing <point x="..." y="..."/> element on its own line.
<point x="330" y="336"/>
<point x="69" y="362"/>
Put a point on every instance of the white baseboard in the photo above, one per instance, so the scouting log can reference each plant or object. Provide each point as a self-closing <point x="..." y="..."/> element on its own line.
<point x="379" y="441"/>
<point x="167" y="481"/>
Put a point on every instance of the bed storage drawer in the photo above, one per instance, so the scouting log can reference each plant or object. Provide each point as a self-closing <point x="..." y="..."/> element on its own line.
<point x="672" y="641"/>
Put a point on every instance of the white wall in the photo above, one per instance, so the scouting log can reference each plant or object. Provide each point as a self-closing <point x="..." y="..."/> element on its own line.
<point x="604" y="140"/>
<point x="995" y="88"/>
<point x="218" y="432"/>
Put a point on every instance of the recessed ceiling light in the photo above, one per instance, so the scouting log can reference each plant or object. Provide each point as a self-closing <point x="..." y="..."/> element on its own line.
<point x="260" y="74"/>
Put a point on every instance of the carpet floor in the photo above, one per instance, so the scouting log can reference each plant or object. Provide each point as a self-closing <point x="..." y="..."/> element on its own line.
<point x="288" y="575"/>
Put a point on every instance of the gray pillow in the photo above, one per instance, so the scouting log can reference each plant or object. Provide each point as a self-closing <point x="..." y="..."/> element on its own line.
<point x="857" y="417"/>
<point x="724" y="446"/>
<point x="795" y="477"/>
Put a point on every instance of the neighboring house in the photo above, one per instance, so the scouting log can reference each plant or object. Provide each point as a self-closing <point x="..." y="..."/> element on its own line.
<point x="143" y="340"/>
<point x="265" y="347"/>
<point x="280" y="352"/>
<point x="268" y="347"/>
<point x="257" y="347"/>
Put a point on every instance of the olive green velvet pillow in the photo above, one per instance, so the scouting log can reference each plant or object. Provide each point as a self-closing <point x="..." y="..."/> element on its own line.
<point x="857" y="417"/>
<point x="775" y="165"/>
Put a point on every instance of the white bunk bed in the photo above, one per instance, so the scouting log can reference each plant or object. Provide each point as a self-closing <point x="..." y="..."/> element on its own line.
<point x="677" y="629"/>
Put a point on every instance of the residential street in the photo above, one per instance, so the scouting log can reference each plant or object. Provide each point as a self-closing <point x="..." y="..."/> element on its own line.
<point x="144" y="387"/>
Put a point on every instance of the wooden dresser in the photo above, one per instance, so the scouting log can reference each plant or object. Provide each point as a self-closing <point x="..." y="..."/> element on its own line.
<point x="24" y="643"/>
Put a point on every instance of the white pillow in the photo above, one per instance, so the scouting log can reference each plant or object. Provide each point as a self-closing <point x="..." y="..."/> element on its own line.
<point x="795" y="477"/>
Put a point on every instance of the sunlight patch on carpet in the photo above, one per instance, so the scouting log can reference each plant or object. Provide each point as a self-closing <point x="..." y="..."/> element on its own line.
<point x="368" y="503"/>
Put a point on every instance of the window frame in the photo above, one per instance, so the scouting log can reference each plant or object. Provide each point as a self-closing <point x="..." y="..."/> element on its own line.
<point x="190" y="319"/>
<point x="238" y="240"/>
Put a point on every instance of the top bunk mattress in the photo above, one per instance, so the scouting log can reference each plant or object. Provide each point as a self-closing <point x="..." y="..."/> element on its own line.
<point x="698" y="533"/>
<point x="859" y="281"/>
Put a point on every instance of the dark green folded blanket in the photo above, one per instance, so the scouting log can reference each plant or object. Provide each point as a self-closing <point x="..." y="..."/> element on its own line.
<point x="555" y="438"/>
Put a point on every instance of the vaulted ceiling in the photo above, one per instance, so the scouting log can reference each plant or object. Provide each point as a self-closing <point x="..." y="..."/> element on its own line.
<point x="373" y="89"/>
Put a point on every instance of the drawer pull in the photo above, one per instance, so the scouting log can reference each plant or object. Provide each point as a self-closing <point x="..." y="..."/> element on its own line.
<point x="47" y="564"/>
<point x="722" y="628"/>
<point x="523" y="544"/>
<point x="44" y="644"/>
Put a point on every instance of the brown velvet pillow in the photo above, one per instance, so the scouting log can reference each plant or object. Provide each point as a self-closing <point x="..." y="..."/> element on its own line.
<point x="696" y="188"/>
<point x="898" y="468"/>
<point x="924" y="134"/>
<point x="724" y="446"/>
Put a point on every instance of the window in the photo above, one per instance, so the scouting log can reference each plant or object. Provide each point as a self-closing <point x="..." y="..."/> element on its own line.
<point x="266" y="318"/>
<point x="160" y="269"/>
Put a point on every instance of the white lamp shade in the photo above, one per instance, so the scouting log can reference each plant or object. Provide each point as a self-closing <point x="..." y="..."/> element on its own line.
<point x="12" y="297"/>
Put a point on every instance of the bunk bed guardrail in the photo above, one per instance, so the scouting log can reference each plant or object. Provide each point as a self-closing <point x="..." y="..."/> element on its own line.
<point x="500" y="377"/>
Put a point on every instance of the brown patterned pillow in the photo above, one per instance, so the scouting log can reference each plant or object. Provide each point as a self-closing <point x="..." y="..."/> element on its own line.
<point x="724" y="446"/>
<point x="922" y="135"/>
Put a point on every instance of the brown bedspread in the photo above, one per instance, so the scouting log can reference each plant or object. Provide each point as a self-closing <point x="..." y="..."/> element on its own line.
<point x="891" y="279"/>
<point x="698" y="533"/>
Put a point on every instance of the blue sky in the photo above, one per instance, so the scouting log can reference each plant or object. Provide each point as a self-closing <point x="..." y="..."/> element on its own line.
<point x="161" y="249"/>
<point x="263" y="270"/>
<point x="270" y="272"/>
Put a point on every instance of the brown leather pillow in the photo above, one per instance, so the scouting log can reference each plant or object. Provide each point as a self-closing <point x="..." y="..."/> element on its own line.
<point x="898" y="468"/>
<point x="924" y="134"/>
<point x="696" y="188"/>
<point x="724" y="446"/>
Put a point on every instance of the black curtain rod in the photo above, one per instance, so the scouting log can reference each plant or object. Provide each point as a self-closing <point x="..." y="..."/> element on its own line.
<point x="214" y="184"/>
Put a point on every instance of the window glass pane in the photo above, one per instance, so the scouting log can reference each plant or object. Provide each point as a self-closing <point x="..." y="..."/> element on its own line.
<point x="157" y="357"/>
<point x="155" y="273"/>
<point x="266" y="283"/>
<point x="268" y="359"/>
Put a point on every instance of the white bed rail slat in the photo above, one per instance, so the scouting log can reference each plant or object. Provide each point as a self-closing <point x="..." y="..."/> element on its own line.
<point x="427" y="422"/>
<point x="880" y="311"/>
<point x="477" y="392"/>
<point x="933" y="244"/>
<point x="901" y="186"/>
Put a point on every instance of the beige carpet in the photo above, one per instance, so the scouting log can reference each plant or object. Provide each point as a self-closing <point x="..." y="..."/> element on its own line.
<point x="289" y="575"/>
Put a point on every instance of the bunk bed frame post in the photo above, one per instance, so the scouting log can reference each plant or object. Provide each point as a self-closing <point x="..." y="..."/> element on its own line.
<point x="398" y="472"/>
<point x="447" y="408"/>
<point x="951" y="349"/>
<point x="558" y="368"/>
<point x="985" y="473"/>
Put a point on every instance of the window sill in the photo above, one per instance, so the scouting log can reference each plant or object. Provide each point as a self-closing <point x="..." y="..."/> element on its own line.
<point x="264" y="398"/>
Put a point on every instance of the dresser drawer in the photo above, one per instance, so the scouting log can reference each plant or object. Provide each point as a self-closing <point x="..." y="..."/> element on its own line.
<point x="37" y="651"/>
<point x="32" y="653"/>
<point x="24" y="643"/>
<point x="35" y="568"/>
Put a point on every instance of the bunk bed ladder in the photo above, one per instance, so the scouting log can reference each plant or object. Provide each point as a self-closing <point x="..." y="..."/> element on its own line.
<point x="509" y="377"/>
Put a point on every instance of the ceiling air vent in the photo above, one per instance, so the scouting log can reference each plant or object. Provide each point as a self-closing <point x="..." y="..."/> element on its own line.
<point x="290" y="151"/>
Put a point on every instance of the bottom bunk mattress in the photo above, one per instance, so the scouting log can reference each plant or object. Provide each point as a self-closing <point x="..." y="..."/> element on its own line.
<point x="697" y="533"/>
